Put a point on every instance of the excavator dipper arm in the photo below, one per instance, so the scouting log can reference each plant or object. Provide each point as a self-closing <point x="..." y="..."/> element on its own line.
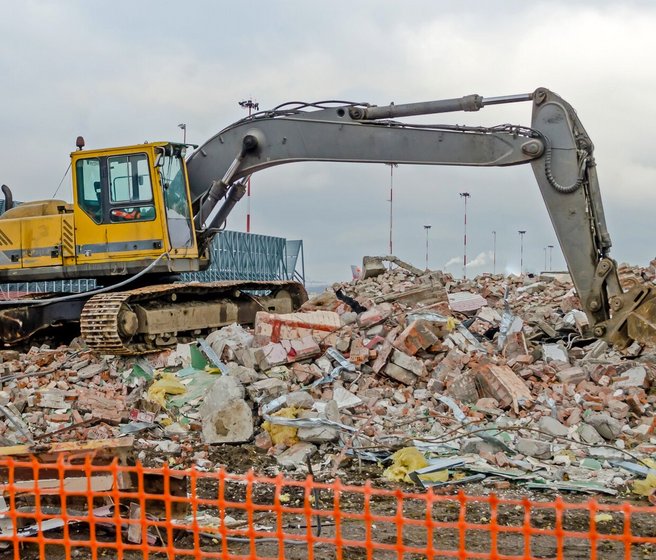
<point x="556" y="145"/>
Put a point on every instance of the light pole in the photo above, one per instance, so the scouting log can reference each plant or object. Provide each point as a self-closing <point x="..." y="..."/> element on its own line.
<point x="183" y="126"/>
<point x="391" y="200"/>
<point x="250" y="105"/>
<point x="427" y="228"/>
<point x="550" y="247"/>
<point x="465" y="196"/>
<point x="545" y="258"/>
<point x="494" y="252"/>
<point x="521" y="251"/>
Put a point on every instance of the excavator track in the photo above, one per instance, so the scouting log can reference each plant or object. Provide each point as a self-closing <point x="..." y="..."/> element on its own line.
<point x="151" y="318"/>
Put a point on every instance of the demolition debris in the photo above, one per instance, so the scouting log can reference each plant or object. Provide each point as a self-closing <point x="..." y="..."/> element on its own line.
<point x="437" y="381"/>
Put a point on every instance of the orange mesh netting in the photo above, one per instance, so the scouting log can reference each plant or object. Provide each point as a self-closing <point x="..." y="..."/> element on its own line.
<point x="67" y="510"/>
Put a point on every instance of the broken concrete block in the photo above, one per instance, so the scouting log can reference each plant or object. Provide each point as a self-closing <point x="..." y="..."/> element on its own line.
<point x="502" y="384"/>
<point x="285" y="352"/>
<point x="275" y="327"/>
<point x="634" y="377"/>
<point x="299" y="399"/>
<point x="348" y="318"/>
<point x="246" y="375"/>
<point x="552" y="427"/>
<point x="416" y="336"/>
<point x="477" y="445"/>
<point x="225" y="415"/>
<point x="345" y="399"/>
<point x="320" y="434"/>
<point x="608" y="427"/>
<point x="229" y="340"/>
<point x="92" y="370"/>
<point x="271" y="355"/>
<point x="296" y="455"/>
<point x="400" y="374"/>
<point x="534" y="448"/>
<point x="301" y="349"/>
<point x="269" y="388"/>
<point x="410" y="363"/>
<point x="555" y="353"/>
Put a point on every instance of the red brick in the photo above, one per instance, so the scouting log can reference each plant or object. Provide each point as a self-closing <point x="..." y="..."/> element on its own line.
<point x="417" y="336"/>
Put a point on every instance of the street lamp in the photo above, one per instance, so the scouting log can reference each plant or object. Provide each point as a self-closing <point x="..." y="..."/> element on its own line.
<point x="494" y="252"/>
<point x="465" y="196"/>
<point x="250" y="105"/>
<point x="391" y="198"/>
<point x="427" y="228"/>
<point x="521" y="251"/>
<point x="545" y="258"/>
<point x="183" y="126"/>
<point x="550" y="247"/>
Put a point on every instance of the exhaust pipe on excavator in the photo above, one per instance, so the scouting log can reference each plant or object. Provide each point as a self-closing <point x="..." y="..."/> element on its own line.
<point x="9" y="197"/>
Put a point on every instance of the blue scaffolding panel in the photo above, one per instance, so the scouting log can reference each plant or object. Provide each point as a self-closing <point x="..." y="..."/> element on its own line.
<point x="235" y="256"/>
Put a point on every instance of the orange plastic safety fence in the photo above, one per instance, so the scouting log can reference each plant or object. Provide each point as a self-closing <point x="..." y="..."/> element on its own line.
<point x="82" y="510"/>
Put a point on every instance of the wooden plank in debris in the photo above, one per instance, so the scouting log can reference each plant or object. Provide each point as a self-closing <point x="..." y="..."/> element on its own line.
<point x="114" y="445"/>
<point x="98" y="482"/>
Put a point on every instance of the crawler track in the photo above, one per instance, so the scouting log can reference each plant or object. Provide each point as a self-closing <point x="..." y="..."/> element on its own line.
<point x="109" y="324"/>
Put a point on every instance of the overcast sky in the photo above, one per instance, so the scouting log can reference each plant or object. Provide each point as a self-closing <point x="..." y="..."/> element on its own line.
<point x="124" y="72"/>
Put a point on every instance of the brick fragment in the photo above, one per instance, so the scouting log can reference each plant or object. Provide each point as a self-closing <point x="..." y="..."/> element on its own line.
<point x="377" y="314"/>
<point x="501" y="383"/>
<point x="573" y="375"/>
<point x="416" y="336"/>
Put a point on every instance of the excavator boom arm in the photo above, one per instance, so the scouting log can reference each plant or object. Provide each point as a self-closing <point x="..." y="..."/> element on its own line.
<point x="556" y="145"/>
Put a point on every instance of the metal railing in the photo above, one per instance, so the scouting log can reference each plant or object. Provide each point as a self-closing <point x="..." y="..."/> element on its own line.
<point x="235" y="256"/>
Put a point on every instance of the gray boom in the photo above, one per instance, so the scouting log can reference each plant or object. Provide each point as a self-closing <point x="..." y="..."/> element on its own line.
<point x="556" y="145"/>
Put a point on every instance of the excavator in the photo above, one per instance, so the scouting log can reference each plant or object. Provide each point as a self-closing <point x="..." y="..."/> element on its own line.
<point x="142" y="214"/>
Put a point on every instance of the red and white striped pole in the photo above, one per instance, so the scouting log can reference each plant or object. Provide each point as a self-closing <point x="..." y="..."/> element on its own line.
<point x="465" y="195"/>
<point x="250" y="105"/>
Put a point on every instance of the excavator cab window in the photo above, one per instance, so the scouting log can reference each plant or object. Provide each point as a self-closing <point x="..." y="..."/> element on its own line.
<point x="89" y="191"/>
<point x="115" y="189"/>
<point x="129" y="184"/>
<point x="178" y="213"/>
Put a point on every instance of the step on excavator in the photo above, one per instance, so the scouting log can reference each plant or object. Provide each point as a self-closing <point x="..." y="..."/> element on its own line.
<point x="143" y="214"/>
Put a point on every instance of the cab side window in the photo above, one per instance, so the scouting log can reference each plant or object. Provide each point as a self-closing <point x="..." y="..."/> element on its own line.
<point x="89" y="191"/>
<point x="130" y="189"/>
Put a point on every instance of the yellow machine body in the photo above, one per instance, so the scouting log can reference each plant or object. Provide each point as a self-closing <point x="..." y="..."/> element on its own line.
<point x="130" y="205"/>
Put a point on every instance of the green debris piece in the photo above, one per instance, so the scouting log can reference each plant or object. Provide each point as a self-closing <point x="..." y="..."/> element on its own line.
<point x="197" y="383"/>
<point x="591" y="464"/>
<point x="198" y="361"/>
<point x="139" y="372"/>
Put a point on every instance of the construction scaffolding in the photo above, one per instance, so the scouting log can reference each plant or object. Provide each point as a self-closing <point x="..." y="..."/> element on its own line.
<point x="245" y="256"/>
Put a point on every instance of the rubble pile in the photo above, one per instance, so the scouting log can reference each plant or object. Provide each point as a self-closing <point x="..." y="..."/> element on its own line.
<point x="489" y="379"/>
